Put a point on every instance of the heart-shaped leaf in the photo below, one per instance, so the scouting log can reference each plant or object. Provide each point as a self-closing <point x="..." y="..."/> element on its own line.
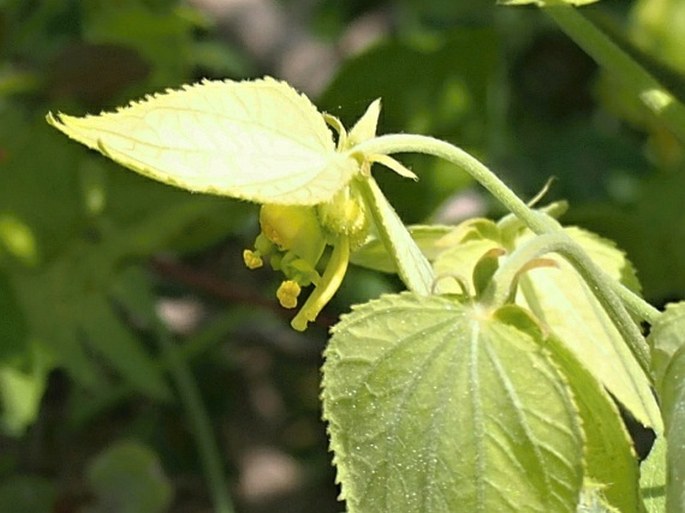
<point x="256" y="140"/>
<point x="559" y="298"/>
<point x="434" y="406"/>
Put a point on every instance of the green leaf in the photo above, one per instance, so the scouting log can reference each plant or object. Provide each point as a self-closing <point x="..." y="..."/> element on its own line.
<point x="162" y="36"/>
<point x="373" y="255"/>
<point x="260" y="141"/>
<point x="666" y="339"/>
<point x="42" y="226"/>
<point x="561" y="299"/>
<point x="660" y="27"/>
<point x="13" y="330"/>
<point x="610" y="461"/>
<point x="653" y="478"/>
<point x="71" y="316"/>
<point x="51" y="300"/>
<point x="668" y="348"/>
<point x="460" y="262"/>
<point x="485" y="268"/>
<point x="592" y="501"/>
<point x="433" y="406"/>
<point x="128" y="478"/>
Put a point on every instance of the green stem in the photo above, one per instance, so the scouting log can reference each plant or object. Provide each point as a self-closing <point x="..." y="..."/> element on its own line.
<point x="560" y="243"/>
<point x="612" y="294"/>
<point x="410" y="143"/>
<point x="576" y="256"/>
<point x="617" y="62"/>
<point x="503" y="281"/>
<point x="199" y="422"/>
<point x="536" y="221"/>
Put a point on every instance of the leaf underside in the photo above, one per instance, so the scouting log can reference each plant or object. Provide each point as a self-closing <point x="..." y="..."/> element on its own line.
<point x="433" y="408"/>
<point x="258" y="140"/>
<point x="560" y="298"/>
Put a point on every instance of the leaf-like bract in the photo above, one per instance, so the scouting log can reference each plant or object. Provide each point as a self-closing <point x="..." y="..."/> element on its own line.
<point x="433" y="406"/>
<point x="259" y="140"/>
<point x="411" y="264"/>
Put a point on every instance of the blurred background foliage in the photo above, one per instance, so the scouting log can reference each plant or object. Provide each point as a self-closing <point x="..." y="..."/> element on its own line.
<point x="99" y="266"/>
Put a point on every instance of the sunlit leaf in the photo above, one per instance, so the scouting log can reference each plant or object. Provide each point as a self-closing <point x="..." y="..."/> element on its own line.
<point x="434" y="407"/>
<point x="592" y="501"/>
<point x="260" y="141"/>
<point x="560" y="298"/>
<point x="666" y="339"/>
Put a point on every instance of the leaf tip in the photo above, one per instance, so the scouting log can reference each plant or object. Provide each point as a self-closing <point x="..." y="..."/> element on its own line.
<point x="54" y="120"/>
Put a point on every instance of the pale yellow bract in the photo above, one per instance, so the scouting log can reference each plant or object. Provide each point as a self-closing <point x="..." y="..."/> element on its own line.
<point x="258" y="140"/>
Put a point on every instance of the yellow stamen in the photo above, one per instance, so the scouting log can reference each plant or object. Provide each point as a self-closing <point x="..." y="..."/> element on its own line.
<point x="287" y="293"/>
<point x="252" y="259"/>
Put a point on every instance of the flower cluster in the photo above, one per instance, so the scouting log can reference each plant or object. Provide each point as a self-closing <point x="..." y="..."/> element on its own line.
<point x="294" y="238"/>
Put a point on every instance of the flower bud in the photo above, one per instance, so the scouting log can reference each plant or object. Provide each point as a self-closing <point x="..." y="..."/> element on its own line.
<point x="346" y="215"/>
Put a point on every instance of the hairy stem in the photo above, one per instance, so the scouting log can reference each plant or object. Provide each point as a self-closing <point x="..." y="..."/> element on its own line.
<point x="612" y="294"/>
<point x="500" y="286"/>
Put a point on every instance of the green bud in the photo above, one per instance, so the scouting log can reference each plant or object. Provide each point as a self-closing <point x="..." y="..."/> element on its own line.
<point x="346" y="215"/>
